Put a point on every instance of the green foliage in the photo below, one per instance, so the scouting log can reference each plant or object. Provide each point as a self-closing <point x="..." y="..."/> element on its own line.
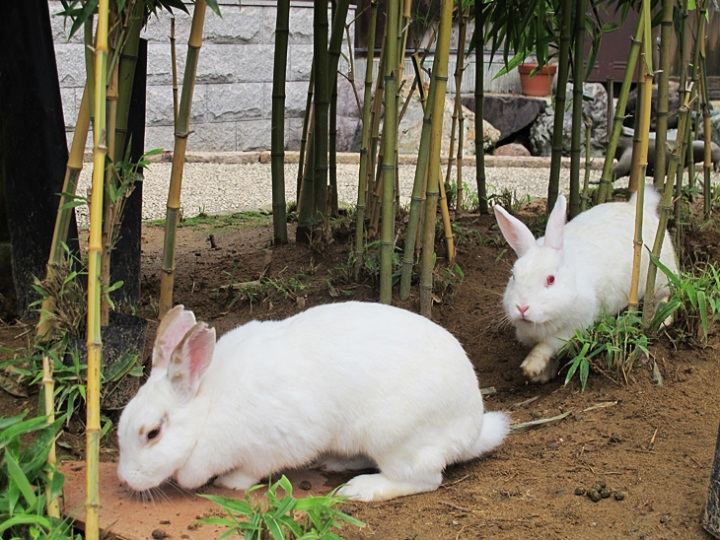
<point x="24" y="448"/>
<point x="695" y="300"/>
<point x="282" y="516"/>
<point x="612" y="343"/>
<point x="70" y="378"/>
<point x="617" y="343"/>
<point x="80" y="11"/>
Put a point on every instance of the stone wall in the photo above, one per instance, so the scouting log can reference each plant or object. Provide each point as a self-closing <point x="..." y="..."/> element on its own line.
<point x="233" y="95"/>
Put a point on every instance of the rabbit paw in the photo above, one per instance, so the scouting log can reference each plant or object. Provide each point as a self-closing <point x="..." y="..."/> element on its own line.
<point x="378" y="487"/>
<point x="540" y="366"/>
<point x="237" y="479"/>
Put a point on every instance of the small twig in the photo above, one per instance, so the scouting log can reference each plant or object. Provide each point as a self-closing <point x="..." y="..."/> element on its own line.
<point x="526" y="426"/>
<point x="457" y="481"/>
<point x="523" y="403"/>
<point x="651" y="444"/>
<point x="601" y="405"/>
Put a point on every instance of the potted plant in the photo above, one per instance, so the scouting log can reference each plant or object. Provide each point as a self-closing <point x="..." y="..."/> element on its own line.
<point x="536" y="80"/>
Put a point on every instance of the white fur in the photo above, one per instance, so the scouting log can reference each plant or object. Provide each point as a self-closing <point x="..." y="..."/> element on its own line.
<point x="591" y="261"/>
<point x="346" y="380"/>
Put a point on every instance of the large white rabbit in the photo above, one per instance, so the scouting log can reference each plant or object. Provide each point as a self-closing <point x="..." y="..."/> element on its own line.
<point x="567" y="279"/>
<point x="352" y="384"/>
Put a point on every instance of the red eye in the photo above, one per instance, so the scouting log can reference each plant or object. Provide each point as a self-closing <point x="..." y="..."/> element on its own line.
<point x="550" y="280"/>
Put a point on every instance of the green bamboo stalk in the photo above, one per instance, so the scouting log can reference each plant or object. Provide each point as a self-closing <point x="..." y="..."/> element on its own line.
<point x="560" y="100"/>
<point x="705" y="107"/>
<point x="685" y="88"/>
<point x="606" y="179"/>
<point x="182" y="132"/>
<point x="666" y="35"/>
<point x="366" y="126"/>
<point x="480" y="177"/>
<point x="277" y="130"/>
<point x="340" y="10"/>
<point x="94" y="292"/>
<point x="577" y="107"/>
<point x="585" y="197"/>
<point x="416" y="199"/>
<point x="458" y="112"/>
<point x="645" y="113"/>
<point x="373" y="199"/>
<point x="440" y="77"/>
<point x="389" y="158"/>
<point x="306" y="130"/>
<point x="313" y="198"/>
<point x="173" y="62"/>
<point x="666" y="207"/>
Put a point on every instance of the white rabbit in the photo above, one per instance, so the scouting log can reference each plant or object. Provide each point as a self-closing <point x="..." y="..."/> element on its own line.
<point x="575" y="273"/>
<point x="360" y="383"/>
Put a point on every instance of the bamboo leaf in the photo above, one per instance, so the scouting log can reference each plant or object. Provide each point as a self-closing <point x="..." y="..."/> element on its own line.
<point x="18" y="478"/>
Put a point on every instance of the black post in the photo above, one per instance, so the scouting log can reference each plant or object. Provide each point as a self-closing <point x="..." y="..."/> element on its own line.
<point x="711" y="519"/>
<point x="34" y="153"/>
<point x="125" y="265"/>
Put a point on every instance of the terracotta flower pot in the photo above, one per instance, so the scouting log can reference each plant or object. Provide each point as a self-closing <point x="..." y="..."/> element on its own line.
<point x="540" y="83"/>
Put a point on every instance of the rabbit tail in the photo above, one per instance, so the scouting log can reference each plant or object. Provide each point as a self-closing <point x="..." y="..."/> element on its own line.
<point x="495" y="427"/>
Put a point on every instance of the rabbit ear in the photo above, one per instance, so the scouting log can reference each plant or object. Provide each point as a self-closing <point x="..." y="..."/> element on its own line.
<point x="173" y="327"/>
<point x="555" y="228"/>
<point x="190" y="359"/>
<point x="515" y="232"/>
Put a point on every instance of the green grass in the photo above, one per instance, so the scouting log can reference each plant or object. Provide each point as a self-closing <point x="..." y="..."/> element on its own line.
<point x="220" y="221"/>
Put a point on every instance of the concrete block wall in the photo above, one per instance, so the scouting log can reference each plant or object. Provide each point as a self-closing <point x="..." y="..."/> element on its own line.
<point x="232" y="101"/>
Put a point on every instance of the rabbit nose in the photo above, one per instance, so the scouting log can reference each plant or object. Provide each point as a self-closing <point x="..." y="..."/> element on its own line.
<point x="522" y="309"/>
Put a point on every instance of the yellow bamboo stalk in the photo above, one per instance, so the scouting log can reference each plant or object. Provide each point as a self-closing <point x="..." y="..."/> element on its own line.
<point x="645" y="113"/>
<point x="447" y="222"/>
<point x="94" y="340"/>
<point x="182" y="131"/>
<point x="52" y="504"/>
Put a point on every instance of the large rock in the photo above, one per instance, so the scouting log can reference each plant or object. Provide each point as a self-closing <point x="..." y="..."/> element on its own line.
<point x="673" y="106"/>
<point x="410" y="127"/>
<point x="594" y="112"/>
<point x="509" y="113"/>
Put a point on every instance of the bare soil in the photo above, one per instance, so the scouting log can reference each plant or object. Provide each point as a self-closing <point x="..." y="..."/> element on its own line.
<point x="654" y="444"/>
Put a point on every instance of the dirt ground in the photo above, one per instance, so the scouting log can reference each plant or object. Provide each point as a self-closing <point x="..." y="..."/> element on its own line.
<point x="654" y="444"/>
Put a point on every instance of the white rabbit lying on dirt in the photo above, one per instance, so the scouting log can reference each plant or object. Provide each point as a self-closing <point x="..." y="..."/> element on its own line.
<point x="567" y="279"/>
<point x="337" y="382"/>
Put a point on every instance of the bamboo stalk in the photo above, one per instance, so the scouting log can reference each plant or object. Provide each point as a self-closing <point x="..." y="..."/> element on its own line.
<point x="666" y="34"/>
<point x="389" y="157"/>
<point x="277" y="130"/>
<point x="306" y="130"/>
<point x="645" y="113"/>
<point x="440" y="78"/>
<point x="606" y="179"/>
<point x="458" y="113"/>
<point x="366" y="126"/>
<point x="577" y="107"/>
<point x="666" y="207"/>
<point x="112" y="99"/>
<point x="480" y="177"/>
<point x="182" y="131"/>
<point x="94" y="339"/>
<point x="705" y="107"/>
<point x="322" y="107"/>
<point x="419" y="181"/>
<point x="173" y="61"/>
<point x="447" y="222"/>
<point x="560" y="100"/>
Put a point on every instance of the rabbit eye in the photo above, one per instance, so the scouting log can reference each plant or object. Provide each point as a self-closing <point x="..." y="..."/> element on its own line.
<point x="550" y="280"/>
<point x="153" y="433"/>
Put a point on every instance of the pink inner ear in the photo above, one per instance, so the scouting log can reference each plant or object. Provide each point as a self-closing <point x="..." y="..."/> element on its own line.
<point x="173" y="328"/>
<point x="200" y="347"/>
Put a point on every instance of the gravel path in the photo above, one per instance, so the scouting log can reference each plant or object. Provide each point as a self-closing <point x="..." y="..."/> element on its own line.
<point x="221" y="184"/>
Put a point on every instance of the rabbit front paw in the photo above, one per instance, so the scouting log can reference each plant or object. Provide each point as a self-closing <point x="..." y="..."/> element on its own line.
<point x="540" y="366"/>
